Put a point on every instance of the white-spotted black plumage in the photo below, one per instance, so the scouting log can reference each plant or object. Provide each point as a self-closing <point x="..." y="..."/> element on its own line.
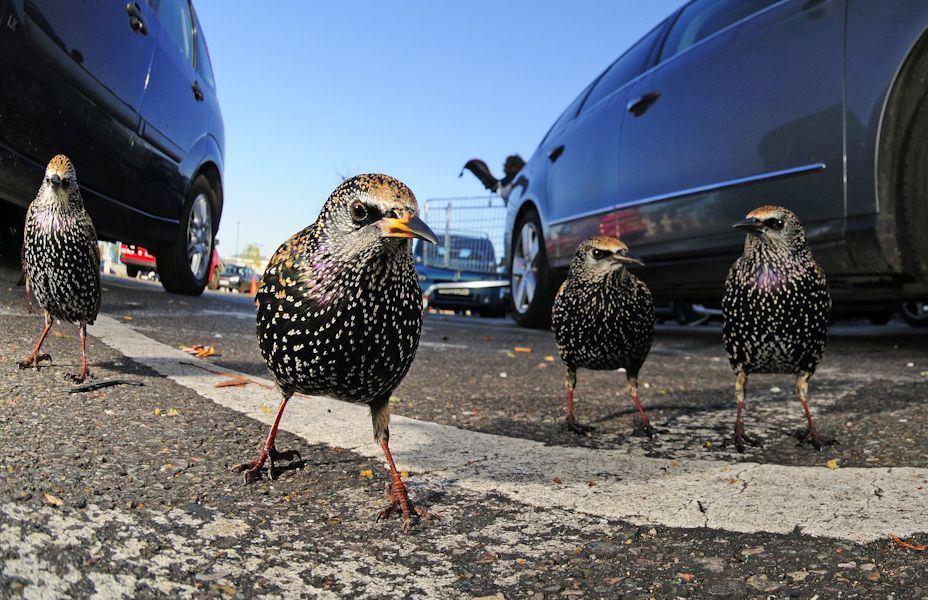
<point x="61" y="259"/>
<point x="340" y="308"/>
<point x="776" y="307"/>
<point x="603" y="318"/>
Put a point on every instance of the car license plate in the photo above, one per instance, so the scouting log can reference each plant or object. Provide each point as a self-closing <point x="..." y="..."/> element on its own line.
<point x="223" y="282"/>
<point x="453" y="292"/>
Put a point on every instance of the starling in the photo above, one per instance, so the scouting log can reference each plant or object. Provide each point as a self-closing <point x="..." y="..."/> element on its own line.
<point x="340" y="310"/>
<point x="604" y="320"/>
<point x="776" y="307"/>
<point x="61" y="259"/>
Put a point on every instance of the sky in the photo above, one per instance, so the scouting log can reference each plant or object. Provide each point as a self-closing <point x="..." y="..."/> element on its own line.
<point x="314" y="91"/>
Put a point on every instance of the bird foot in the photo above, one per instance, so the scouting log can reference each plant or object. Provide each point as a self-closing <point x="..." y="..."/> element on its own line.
<point x="741" y="438"/>
<point x="252" y="470"/>
<point x="81" y="377"/>
<point x="645" y="429"/>
<point x="399" y="501"/>
<point x="572" y="425"/>
<point x="33" y="360"/>
<point x="811" y="437"/>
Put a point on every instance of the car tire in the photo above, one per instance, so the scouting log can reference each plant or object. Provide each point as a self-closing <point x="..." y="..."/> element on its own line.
<point x="529" y="277"/>
<point x="914" y="313"/>
<point x="132" y="271"/>
<point x="184" y="265"/>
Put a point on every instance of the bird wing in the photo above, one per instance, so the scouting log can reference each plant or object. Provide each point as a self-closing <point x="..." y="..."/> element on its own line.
<point x="482" y="172"/>
<point x="92" y="256"/>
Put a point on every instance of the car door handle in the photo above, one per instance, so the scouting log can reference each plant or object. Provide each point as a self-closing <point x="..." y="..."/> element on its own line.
<point x="197" y="92"/>
<point x="639" y="105"/>
<point x="556" y="153"/>
<point x="135" y="18"/>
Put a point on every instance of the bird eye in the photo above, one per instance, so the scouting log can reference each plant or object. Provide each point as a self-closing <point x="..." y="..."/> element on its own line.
<point x="358" y="211"/>
<point x="774" y="223"/>
<point x="65" y="182"/>
<point x="599" y="254"/>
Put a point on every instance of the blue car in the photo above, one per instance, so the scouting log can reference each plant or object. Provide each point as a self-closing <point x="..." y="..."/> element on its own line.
<point x="126" y="90"/>
<point x="817" y="105"/>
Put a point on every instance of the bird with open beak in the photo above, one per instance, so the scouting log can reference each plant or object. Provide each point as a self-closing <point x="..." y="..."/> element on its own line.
<point x="340" y="311"/>
<point x="604" y="320"/>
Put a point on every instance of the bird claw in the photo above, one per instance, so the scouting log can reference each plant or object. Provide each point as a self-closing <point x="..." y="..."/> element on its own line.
<point x="741" y="438"/>
<point x="34" y="360"/>
<point x="252" y="470"/>
<point x="81" y="377"/>
<point x="399" y="501"/>
<point x="811" y="438"/>
<point x="573" y="425"/>
<point x="645" y="429"/>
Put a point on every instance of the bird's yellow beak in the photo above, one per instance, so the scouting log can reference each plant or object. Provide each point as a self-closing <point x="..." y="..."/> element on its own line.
<point x="406" y="225"/>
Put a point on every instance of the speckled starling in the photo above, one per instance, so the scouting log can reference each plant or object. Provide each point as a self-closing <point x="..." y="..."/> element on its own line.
<point x="604" y="320"/>
<point x="340" y="310"/>
<point x="61" y="259"/>
<point x="776" y="307"/>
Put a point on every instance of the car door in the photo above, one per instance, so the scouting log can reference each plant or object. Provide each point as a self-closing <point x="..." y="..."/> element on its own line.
<point x="583" y="169"/>
<point x="743" y="109"/>
<point x="100" y="52"/>
<point x="174" y="111"/>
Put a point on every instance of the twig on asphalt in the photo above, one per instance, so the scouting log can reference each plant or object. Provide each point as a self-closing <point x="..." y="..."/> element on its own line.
<point x="907" y="545"/>
<point x="235" y="379"/>
<point x="97" y="385"/>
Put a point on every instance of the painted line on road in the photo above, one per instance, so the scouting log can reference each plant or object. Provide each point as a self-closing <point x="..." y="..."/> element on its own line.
<point x="855" y="504"/>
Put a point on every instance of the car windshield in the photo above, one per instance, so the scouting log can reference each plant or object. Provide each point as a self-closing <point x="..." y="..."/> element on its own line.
<point x="459" y="252"/>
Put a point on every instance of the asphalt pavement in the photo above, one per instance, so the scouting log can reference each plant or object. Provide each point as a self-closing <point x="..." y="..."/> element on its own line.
<point x="126" y="491"/>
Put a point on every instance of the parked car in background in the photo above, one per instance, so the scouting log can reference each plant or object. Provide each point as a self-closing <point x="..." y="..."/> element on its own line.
<point x="820" y="106"/>
<point x="126" y="90"/>
<point x="237" y="278"/>
<point x="460" y="258"/>
<point x="137" y="260"/>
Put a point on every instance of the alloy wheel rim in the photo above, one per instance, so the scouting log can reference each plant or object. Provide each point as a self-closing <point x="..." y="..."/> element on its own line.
<point x="199" y="231"/>
<point x="524" y="278"/>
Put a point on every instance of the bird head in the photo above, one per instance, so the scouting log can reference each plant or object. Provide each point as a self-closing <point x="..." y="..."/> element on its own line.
<point x="601" y="255"/>
<point x="60" y="183"/>
<point x="773" y="227"/>
<point x="372" y="212"/>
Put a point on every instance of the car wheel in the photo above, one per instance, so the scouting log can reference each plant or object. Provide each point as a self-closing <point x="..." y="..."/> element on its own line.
<point x="132" y="271"/>
<point x="914" y="313"/>
<point x="529" y="278"/>
<point x="184" y="265"/>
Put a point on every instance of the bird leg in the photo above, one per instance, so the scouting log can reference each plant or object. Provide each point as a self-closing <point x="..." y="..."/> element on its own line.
<point x="397" y="493"/>
<point x="643" y="426"/>
<point x="811" y="434"/>
<point x="35" y="358"/>
<point x="85" y="372"/>
<point x="571" y="423"/>
<point x="741" y="437"/>
<point x="269" y="453"/>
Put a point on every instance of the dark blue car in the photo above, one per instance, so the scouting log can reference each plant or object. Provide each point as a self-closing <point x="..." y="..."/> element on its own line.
<point x="817" y="105"/>
<point x="126" y="90"/>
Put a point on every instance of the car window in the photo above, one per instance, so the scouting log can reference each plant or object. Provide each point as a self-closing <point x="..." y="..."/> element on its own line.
<point x="624" y="69"/>
<point x="203" y="65"/>
<point x="569" y="113"/>
<point x="702" y="18"/>
<point x="177" y="22"/>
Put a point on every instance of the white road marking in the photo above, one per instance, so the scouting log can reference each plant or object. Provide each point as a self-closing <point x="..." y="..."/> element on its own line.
<point x="856" y="504"/>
